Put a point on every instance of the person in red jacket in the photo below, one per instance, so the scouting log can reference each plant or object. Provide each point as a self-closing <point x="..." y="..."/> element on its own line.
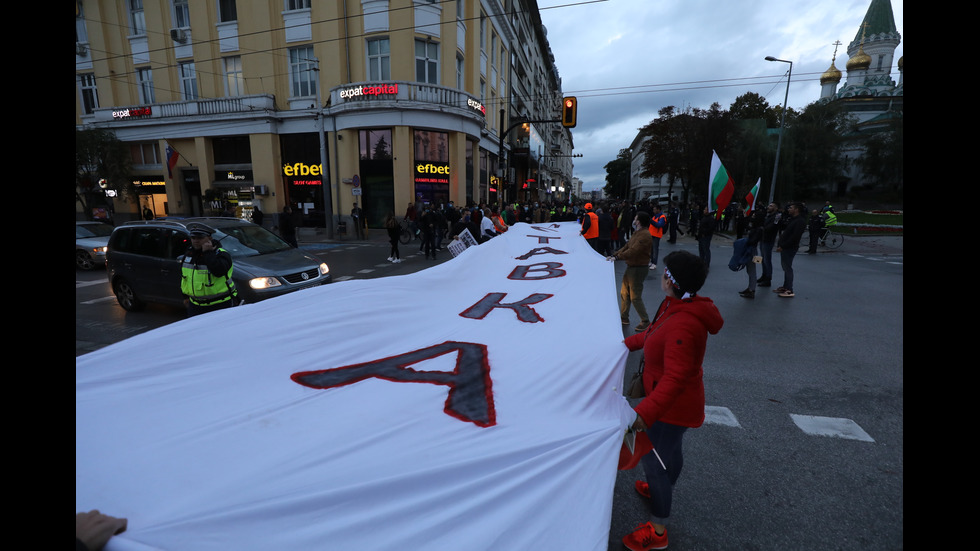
<point x="673" y="351"/>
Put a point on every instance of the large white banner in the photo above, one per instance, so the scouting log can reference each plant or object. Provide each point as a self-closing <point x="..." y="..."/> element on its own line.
<point x="473" y="405"/>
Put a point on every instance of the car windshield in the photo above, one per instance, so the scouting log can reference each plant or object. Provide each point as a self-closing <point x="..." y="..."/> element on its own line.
<point x="84" y="231"/>
<point x="242" y="241"/>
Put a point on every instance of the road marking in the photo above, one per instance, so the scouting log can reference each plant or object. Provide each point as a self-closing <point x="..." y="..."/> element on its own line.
<point x="343" y="278"/>
<point x="98" y="300"/>
<point x="717" y="415"/>
<point x="366" y="271"/>
<point x="837" y="427"/>
<point x="88" y="283"/>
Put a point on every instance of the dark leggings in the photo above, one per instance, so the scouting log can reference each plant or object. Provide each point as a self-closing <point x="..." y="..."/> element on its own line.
<point x="666" y="440"/>
<point x="394" y="248"/>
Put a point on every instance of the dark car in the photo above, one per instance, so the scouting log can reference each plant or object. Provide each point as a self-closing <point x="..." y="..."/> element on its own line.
<point x="90" y="242"/>
<point x="142" y="260"/>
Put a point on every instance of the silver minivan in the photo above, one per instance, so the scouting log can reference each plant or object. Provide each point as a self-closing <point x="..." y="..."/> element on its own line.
<point x="142" y="261"/>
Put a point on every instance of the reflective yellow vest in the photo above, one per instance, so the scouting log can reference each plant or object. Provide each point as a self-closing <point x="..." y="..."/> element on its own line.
<point x="201" y="286"/>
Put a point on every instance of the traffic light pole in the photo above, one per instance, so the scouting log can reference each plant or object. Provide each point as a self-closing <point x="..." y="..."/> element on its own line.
<point x="500" y="156"/>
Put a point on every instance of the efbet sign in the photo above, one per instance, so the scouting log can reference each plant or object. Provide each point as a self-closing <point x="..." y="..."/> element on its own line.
<point x="301" y="169"/>
<point x="432" y="173"/>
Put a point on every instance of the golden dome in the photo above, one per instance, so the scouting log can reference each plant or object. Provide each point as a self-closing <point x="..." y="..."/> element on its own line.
<point x="860" y="60"/>
<point x="831" y="75"/>
<point x="900" y="64"/>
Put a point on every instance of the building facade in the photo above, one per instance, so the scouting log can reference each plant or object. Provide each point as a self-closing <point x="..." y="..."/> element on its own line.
<point x="319" y="105"/>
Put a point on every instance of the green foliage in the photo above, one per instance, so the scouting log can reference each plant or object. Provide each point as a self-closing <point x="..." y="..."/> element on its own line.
<point x="618" y="176"/>
<point x="99" y="154"/>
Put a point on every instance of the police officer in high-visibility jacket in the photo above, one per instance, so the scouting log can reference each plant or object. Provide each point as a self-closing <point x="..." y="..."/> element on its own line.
<point x="205" y="273"/>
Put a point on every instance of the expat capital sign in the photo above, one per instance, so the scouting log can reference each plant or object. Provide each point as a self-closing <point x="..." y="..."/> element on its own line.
<point x="378" y="90"/>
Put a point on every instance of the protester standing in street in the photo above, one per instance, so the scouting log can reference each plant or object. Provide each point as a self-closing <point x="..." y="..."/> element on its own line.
<point x="753" y="239"/>
<point x="658" y="221"/>
<point x="770" y="229"/>
<point x="636" y="254"/>
<point x="706" y="229"/>
<point x="788" y="245"/>
<point x="673" y="352"/>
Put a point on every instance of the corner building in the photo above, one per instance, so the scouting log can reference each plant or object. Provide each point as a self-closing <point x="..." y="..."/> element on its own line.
<point x="266" y="102"/>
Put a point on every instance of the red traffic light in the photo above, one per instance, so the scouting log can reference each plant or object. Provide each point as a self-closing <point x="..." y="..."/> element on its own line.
<point x="568" y="112"/>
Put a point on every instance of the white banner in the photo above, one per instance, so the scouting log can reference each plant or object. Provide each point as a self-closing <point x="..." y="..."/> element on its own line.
<point x="300" y="422"/>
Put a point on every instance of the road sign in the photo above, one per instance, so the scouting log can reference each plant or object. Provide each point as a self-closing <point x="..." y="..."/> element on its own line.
<point x="355" y="191"/>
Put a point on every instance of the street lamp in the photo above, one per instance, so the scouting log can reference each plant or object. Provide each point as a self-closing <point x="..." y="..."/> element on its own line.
<point x="782" y="123"/>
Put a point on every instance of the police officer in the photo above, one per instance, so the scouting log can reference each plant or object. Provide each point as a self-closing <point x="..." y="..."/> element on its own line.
<point x="205" y="273"/>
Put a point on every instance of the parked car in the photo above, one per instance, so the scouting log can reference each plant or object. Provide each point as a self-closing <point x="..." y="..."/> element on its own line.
<point x="91" y="239"/>
<point x="143" y="261"/>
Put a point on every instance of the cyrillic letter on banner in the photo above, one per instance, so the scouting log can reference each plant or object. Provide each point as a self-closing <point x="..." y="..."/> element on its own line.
<point x="470" y="397"/>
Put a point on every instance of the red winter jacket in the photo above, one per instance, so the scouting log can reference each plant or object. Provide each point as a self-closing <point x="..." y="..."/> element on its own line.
<point x="673" y="350"/>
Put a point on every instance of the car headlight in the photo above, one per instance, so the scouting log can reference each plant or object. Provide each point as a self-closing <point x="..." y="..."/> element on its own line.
<point x="324" y="269"/>
<point x="100" y="251"/>
<point x="260" y="283"/>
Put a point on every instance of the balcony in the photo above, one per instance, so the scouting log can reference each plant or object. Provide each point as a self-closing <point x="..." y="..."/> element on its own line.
<point x="362" y="97"/>
<point x="193" y="108"/>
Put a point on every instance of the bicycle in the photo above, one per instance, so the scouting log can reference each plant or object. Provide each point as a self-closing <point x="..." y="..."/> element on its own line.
<point x="405" y="237"/>
<point x="828" y="238"/>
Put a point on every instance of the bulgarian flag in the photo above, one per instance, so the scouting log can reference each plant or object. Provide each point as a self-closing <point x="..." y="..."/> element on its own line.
<point x="752" y="196"/>
<point x="721" y="188"/>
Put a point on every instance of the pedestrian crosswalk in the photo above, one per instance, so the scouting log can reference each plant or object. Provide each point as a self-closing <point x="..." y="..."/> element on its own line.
<point x="835" y="427"/>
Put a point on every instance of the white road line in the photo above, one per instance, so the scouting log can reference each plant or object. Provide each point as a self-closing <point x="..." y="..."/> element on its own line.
<point x="366" y="271"/>
<point x="836" y="427"/>
<point x="717" y="415"/>
<point x="343" y="278"/>
<point x="88" y="283"/>
<point x="98" y="300"/>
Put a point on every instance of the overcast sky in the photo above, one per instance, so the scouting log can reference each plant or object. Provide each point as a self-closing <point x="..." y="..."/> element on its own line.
<point x="626" y="59"/>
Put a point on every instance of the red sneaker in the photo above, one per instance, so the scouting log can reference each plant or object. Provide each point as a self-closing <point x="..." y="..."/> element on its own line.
<point x="642" y="488"/>
<point x="645" y="538"/>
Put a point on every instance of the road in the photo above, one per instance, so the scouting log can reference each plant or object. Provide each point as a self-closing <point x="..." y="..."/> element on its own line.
<point x="803" y="445"/>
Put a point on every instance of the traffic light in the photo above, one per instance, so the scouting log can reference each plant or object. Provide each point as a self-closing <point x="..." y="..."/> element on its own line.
<point x="569" y="106"/>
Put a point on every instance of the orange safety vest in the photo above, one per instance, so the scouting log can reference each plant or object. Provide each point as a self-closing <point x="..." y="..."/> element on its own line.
<point x="658" y="232"/>
<point x="498" y="223"/>
<point x="593" y="230"/>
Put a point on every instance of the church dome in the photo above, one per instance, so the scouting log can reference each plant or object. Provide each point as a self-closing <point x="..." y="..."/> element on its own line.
<point x="900" y="63"/>
<point x="831" y="75"/>
<point x="860" y="60"/>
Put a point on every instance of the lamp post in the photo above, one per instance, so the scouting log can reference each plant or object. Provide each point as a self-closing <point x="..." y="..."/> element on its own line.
<point x="782" y="123"/>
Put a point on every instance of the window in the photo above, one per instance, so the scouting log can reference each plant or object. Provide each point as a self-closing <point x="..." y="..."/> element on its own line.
<point x="234" y="81"/>
<point x="145" y="77"/>
<point x="90" y="94"/>
<point x="144" y="153"/>
<point x="188" y="81"/>
<point x="137" y="20"/>
<point x="378" y="58"/>
<point x="297" y="5"/>
<point x="483" y="31"/>
<point x="81" y="34"/>
<point x="460" y="73"/>
<point x="427" y="61"/>
<point x="375" y="144"/>
<point x="460" y="8"/>
<point x="182" y="17"/>
<point x="302" y="73"/>
<point x="493" y="49"/>
<point x="227" y="11"/>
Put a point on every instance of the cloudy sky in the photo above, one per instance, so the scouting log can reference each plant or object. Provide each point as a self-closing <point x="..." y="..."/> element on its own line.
<point x="626" y="59"/>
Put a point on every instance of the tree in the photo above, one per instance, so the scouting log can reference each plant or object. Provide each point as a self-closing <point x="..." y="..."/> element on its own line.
<point x="100" y="155"/>
<point x="883" y="154"/>
<point x="680" y="144"/>
<point x="812" y="149"/>
<point x="618" y="176"/>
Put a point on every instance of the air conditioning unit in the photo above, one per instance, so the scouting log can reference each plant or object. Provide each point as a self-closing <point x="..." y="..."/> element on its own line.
<point x="178" y="35"/>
